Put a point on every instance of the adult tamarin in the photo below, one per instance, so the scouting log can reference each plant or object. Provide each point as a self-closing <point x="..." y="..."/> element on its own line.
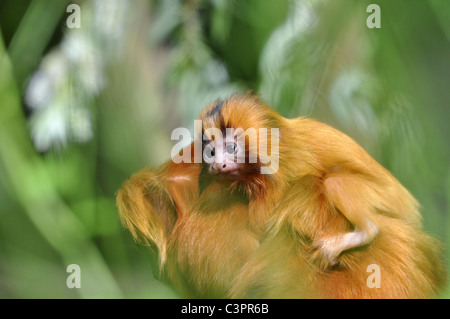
<point x="313" y="227"/>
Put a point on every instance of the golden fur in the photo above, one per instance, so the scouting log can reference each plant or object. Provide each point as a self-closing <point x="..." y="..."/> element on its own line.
<point x="308" y="231"/>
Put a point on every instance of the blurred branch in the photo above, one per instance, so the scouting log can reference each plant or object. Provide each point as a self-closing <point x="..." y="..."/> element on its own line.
<point x="33" y="35"/>
<point x="33" y="188"/>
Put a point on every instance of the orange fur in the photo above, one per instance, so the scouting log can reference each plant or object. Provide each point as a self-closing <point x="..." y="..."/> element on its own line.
<point x="310" y="230"/>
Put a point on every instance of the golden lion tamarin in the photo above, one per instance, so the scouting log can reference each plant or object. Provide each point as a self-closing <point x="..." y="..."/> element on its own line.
<point x="310" y="227"/>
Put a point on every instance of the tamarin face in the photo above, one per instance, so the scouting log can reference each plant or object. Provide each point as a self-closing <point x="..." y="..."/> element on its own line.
<point x="223" y="156"/>
<point x="237" y="137"/>
<point x="229" y="151"/>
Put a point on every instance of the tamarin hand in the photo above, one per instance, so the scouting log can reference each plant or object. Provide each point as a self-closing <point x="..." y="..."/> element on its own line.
<point x="329" y="249"/>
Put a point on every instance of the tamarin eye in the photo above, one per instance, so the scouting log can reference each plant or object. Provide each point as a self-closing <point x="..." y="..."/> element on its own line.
<point x="231" y="148"/>
<point x="209" y="152"/>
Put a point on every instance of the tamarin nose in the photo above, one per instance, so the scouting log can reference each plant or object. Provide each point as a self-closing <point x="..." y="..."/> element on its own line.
<point x="219" y="166"/>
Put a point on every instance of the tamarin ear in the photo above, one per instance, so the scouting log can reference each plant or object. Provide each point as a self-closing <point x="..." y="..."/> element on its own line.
<point x="147" y="209"/>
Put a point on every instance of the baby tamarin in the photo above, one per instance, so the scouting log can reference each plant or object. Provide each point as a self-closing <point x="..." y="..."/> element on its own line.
<point x="304" y="212"/>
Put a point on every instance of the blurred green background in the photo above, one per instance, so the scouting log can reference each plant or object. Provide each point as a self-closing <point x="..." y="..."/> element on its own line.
<point x="81" y="109"/>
